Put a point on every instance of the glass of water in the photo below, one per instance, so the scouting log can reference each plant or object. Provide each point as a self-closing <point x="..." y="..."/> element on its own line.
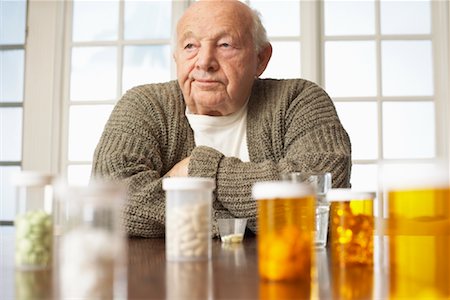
<point x="321" y="184"/>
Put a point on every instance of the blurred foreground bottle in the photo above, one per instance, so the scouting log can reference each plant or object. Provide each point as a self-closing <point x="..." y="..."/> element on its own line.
<point x="34" y="221"/>
<point x="92" y="249"/>
<point x="418" y="231"/>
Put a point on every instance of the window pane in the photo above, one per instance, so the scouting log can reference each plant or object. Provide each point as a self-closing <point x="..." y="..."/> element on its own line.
<point x="350" y="69"/>
<point x="11" y="75"/>
<point x="13" y="21"/>
<point x="408" y="130"/>
<point x="272" y="11"/>
<point x="145" y="64"/>
<point x="407" y="68"/>
<point x="285" y="61"/>
<point x="405" y="17"/>
<point x="95" y="20"/>
<point x="349" y="17"/>
<point x="93" y="73"/>
<point x="85" y="127"/>
<point x="360" y="121"/>
<point x="7" y="194"/>
<point x="148" y="20"/>
<point x="78" y="174"/>
<point x="364" y="178"/>
<point x="10" y="134"/>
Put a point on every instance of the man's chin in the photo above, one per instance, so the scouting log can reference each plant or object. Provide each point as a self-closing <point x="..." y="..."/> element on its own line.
<point x="209" y="98"/>
<point x="212" y="113"/>
<point x="209" y="104"/>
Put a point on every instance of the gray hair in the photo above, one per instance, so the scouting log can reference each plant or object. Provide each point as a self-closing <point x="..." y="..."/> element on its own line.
<point x="259" y="33"/>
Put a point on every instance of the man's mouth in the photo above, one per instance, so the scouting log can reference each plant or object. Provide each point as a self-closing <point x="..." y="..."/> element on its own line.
<point x="205" y="83"/>
<point x="205" y="80"/>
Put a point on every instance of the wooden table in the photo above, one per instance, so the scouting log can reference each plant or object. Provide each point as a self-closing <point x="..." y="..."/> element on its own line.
<point x="232" y="273"/>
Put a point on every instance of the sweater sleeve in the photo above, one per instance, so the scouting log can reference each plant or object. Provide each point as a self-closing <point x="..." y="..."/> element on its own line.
<point x="306" y="136"/>
<point x="130" y="151"/>
<point x="144" y="210"/>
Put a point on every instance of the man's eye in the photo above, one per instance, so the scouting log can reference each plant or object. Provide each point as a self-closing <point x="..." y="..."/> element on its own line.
<point x="189" y="46"/>
<point x="225" y="45"/>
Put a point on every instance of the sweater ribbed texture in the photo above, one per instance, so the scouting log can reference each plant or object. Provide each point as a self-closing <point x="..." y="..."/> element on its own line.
<point x="292" y="125"/>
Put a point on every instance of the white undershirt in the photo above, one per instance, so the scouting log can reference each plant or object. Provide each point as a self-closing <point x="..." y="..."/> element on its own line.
<point x="226" y="134"/>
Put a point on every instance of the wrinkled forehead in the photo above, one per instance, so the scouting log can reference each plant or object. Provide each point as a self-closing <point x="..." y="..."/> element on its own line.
<point x="216" y="16"/>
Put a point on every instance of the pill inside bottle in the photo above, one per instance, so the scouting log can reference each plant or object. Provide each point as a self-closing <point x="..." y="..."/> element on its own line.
<point x="188" y="218"/>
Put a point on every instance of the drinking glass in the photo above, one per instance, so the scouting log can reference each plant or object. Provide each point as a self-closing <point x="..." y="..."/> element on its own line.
<point x="321" y="184"/>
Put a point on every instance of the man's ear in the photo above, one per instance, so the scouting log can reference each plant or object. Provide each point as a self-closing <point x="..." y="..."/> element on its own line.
<point x="174" y="55"/>
<point x="263" y="59"/>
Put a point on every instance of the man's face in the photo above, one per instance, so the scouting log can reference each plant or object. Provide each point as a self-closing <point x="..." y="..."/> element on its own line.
<point x="215" y="56"/>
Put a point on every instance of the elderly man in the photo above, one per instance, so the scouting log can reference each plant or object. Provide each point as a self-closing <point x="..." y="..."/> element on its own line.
<point x="218" y="120"/>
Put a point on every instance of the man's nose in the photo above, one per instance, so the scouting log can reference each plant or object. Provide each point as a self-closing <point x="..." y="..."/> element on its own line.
<point x="206" y="59"/>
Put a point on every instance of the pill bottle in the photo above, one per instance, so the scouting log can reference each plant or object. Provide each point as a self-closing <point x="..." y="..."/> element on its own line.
<point x="92" y="247"/>
<point x="188" y="217"/>
<point x="285" y="230"/>
<point x="34" y="221"/>
<point x="352" y="227"/>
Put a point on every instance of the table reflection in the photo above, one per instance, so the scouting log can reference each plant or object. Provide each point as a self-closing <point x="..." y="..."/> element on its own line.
<point x="189" y="280"/>
<point x="275" y="290"/>
<point x="232" y="273"/>
<point x="233" y="254"/>
<point x="323" y="274"/>
<point x="32" y="285"/>
<point x="352" y="282"/>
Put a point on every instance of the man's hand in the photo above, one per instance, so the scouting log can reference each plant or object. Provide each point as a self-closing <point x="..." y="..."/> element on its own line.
<point x="180" y="169"/>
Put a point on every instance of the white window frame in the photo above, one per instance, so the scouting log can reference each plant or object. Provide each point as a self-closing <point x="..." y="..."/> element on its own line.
<point x="441" y="41"/>
<point x="177" y="9"/>
<point x="5" y="106"/>
<point x="440" y="14"/>
<point x="43" y="70"/>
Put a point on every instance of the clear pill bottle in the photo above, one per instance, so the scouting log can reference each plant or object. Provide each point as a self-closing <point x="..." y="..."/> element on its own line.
<point x="188" y="217"/>
<point x="92" y="248"/>
<point x="34" y="220"/>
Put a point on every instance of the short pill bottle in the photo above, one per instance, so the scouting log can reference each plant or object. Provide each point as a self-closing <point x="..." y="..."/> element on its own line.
<point x="34" y="220"/>
<point x="352" y="227"/>
<point x="188" y="218"/>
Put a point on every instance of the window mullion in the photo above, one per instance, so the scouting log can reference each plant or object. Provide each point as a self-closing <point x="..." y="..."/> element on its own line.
<point x="120" y="48"/>
<point x="178" y="8"/>
<point x="441" y="54"/>
<point x="65" y="99"/>
<point x="42" y="86"/>
<point x="379" y="79"/>
<point x="311" y="37"/>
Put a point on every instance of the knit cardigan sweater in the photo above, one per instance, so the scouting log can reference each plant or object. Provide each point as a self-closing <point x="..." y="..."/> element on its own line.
<point x="292" y="125"/>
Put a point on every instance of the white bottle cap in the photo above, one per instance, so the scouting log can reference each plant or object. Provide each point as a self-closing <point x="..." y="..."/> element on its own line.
<point x="281" y="189"/>
<point x="31" y="178"/>
<point x="188" y="183"/>
<point x="348" y="194"/>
